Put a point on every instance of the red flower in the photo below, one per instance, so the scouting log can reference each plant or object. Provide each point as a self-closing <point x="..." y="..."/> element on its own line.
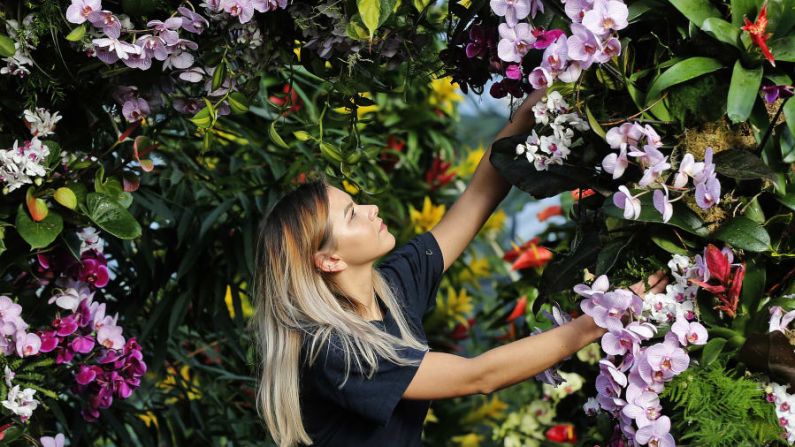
<point x="519" y="309"/>
<point x="528" y="255"/>
<point x="562" y="433"/>
<point x="389" y="159"/>
<point x="438" y="175"/>
<point x="288" y="98"/>
<point x="3" y="430"/>
<point x="580" y="193"/>
<point x="729" y="285"/>
<point x="461" y="331"/>
<point x="546" y="213"/>
<point x="758" y="35"/>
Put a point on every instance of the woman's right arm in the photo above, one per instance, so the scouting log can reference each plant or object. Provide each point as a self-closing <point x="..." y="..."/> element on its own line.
<point x="442" y="376"/>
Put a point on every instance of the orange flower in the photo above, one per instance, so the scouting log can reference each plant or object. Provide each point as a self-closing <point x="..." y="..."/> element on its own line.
<point x="758" y="35"/>
<point x="546" y="213"/>
<point x="577" y="194"/>
<point x="514" y="253"/>
<point x="528" y="255"/>
<point x="518" y="310"/>
<point x="288" y="98"/>
<point x="439" y="174"/>
<point x="562" y="433"/>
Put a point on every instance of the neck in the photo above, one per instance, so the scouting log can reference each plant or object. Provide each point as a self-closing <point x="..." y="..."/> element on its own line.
<point x="357" y="283"/>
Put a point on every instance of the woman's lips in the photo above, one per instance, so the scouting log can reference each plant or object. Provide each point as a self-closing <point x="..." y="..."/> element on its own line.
<point x="383" y="226"/>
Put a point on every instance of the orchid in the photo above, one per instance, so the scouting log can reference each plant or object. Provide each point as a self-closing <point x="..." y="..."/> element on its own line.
<point x="626" y="201"/>
<point x="107" y="22"/>
<point x="515" y="42"/>
<point x="192" y="22"/>
<point x="663" y="204"/>
<point x="779" y="321"/>
<point x="583" y="45"/>
<point x="656" y="433"/>
<point x="689" y="333"/>
<point x="773" y="92"/>
<point x="606" y="16"/>
<point x="21" y="402"/>
<point x="79" y="10"/>
<point x="512" y="10"/>
<point x="616" y="164"/>
<point x="41" y="122"/>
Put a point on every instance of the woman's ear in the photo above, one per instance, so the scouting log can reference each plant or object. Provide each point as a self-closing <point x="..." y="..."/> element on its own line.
<point x="329" y="263"/>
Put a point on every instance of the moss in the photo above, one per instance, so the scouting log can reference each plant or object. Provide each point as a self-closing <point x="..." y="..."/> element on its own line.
<point x="718" y="135"/>
<point x="713" y="216"/>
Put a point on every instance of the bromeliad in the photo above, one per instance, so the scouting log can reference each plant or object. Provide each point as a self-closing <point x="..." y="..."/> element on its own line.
<point x="757" y="31"/>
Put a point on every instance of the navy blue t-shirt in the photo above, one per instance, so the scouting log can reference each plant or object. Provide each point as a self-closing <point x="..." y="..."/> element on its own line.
<point x="371" y="412"/>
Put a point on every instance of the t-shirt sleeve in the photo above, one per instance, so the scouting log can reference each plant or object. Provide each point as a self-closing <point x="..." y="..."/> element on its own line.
<point x="417" y="268"/>
<point x="373" y="398"/>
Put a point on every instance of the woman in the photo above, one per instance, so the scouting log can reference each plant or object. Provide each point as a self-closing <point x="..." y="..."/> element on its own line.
<point x="344" y="356"/>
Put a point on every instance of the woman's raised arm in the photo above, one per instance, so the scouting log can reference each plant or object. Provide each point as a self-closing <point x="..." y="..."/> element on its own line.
<point x="485" y="191"/>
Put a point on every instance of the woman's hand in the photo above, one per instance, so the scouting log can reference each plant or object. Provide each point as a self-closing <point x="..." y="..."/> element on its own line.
<point x="657" y="281"/>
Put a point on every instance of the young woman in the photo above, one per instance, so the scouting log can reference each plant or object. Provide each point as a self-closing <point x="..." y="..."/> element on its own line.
<point x="344" y="358"/>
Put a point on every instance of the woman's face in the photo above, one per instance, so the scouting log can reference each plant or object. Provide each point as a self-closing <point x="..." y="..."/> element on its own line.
<point x="361" y="237"/>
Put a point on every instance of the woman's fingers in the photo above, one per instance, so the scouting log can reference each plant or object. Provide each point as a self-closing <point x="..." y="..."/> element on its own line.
<point x="657" y="281"/>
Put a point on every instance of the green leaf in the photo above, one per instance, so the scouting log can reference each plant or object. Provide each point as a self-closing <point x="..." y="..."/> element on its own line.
<point x="611" y="252"/>
<point x="595" y="126"/>
<point x="111" y="216"/>
<point x="712" y="350"/>
<point x="753" y="284"/>
<point x="742" y="232"/>
<point x="743" y="8"/>
<point x="741" y="164"/>
<point x="787" y="143"/>
<point x="669" y="244"/>
<point x="202" y="118"/>
<point x="722" y="30"/>
<point x="696" y="10"/>
<point x="743" y="91"/>
<point x="683" y="217"/>
<point x="638" y="8"/>
<point x="76" y="35"/>
<point x="38" y="234"/>
<point x="374" y="12"/>
<point x="789" y="114"/>
<point x="682" y="71"/>
<point x="783" y="49"/>
<point x="7" y="48"/>
<point x="238" y="102"/>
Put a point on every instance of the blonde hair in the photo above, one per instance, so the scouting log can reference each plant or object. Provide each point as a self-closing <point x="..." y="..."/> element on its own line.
<point x="293" y="300"/>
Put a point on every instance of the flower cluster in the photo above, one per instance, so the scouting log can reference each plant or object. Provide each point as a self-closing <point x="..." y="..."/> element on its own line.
<point x="721" y="277"/>
<point x="554" y="113"/>
<point x="24" y="162"/>
<point x="592" y="38"/>
<point x="777" y="394"/>
<point x="526" y="425"/>
<point x="635" y="371"/>
<point x="24" y="42"/>
<point x="643" y="144"/>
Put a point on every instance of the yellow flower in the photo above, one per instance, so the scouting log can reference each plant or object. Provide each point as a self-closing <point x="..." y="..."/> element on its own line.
<point x="468" y="166"/>
<point x="477" y="268"/>
<point x="457" y="305"/>
<point x="429" y="216"/>
<point x="350" y="187"/>
<point x="495" y="223"/>
<point x="191" y="385"/>
<point x="149" y="418"/>
<point x="430" y="417"/>
<point x="361" y="110"/>
<point x="443" y="94"/>
<point x="245" y="303"/>
<point x="297" y="49"/>
<point x="465" y="3"/>
<point x="468" y="440"/>
<point x="493" y="409"/>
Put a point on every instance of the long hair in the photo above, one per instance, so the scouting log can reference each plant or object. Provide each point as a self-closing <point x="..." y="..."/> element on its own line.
<point x="293" y="301"/>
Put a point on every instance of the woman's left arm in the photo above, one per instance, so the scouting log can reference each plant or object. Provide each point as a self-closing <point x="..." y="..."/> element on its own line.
<point x="485" y="191"/>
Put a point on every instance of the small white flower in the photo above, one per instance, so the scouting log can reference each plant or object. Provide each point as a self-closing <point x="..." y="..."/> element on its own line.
<point x="90" y="240"/>
<point x="41" y="122"/>
<point x="541" y="113"/>
<point x="22" y="402"/>
<point x="8" y="376"/>
<point x="556" y="103"/>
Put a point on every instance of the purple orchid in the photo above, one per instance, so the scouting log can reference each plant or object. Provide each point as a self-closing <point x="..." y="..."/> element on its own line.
<point x="514" y="42"/>
<point x="540" y="78"/>
<point x="478" y="42"/>
<point x="512" y="10"/>
<point x="139" y="59"/>
<point x="167" y="30"/>
<point x="556" y="56"/>
<point x="514" y="71"/>
<point x="606" y="16"/>
<point x="664" y="361"/>
<point x="610" y="48"/>
<point x="616" y="164"/>
<point x="687" y="168"/>
<point x="779" y="321"/>
<point x="79" y="10"/>
<point x="192" y="22"/>
<point x="576" y="9"/>
<point x="94" y="268"/>
<point x="110" y="50"/>
<point x="653" y="172"/>
<point x="692" y="332"/>
<point x="627" y="202"/>
<point x="656" y="433"/>
<point x="627" y="340"/>
<point x="663" y="204"/>
<point x="773" y="92"/>
<point x="600" y="285"/>
<point x="269" y="5"/>
<point x="106" y="21"/>
<point x="242" y="9"/>
<point x="627" y="134"/>
<point x="642" y="406"/>
<point x="583" y="45"/>
<point x="153" y="46"/>
<point x="545" y="38"/>
<point x="608" y="308"/>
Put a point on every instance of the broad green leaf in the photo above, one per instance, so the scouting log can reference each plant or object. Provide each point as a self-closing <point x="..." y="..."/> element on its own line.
<point x="238" y="102"/>
<point x="789" y="114"/>
<point x="76" y="34"/>
<point x="683" y="217"/>
<point x="669" y="244"/>
<point x="7" y="48"/>
<point x="683" y="71"/>
<point x="374" y="12"/>
<point x="783" y="49"/>
<point x="712" y="350"/>
<point x="787" y="143"/>
<point x="722" y="30"/>
<point x="781" y="17"/>
<point x="638" y="8"/>
<point x="111" y="216"/>
<point x="696" y="10"/>
<point x="202" y="118"/>
<point x="743" y="91"/>
<point x="595" y="126"/>
<point x="742" y="232"/>
<point x="753" y="283"/>
<point x="219" y="75"/>
<point x="38" y="234"/>
<point x="741" y="164"/>
<point x="611" y="252"/>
